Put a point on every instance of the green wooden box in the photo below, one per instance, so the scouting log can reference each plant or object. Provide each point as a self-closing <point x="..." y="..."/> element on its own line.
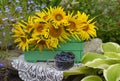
<point x="73" y="46"/>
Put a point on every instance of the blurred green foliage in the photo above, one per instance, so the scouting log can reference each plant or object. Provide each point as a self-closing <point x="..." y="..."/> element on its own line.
<point x="106" y="13"/>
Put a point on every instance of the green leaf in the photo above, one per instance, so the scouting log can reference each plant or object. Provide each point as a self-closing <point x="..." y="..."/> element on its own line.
<point x="98" y="63"/>
<point x="91" y="56"/>
<point x="92" y="78"/>
<point x="77" y="78"/>
<point x="79" y="70"/>
<point x="118" y="50"/>
<point x="112" y="73"/>
<point x="110" y="47"/>
<point x="102" y="63"/>
<point x="113" y="55"/>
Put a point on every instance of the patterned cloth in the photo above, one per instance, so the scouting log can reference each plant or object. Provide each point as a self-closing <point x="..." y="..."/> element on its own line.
<point x="39" y="71"/>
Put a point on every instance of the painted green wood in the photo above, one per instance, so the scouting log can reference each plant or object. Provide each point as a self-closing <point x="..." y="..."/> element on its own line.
<point x="74" y="47"/>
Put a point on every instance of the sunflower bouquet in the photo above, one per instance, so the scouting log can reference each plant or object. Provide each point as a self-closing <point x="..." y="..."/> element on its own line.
<point x="46" y="29"/>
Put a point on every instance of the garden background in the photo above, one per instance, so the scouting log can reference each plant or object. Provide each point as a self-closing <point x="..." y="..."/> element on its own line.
<point x="106" y="13"/>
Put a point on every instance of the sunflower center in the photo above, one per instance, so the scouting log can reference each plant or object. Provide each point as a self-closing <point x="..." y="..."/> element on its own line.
<point x="86" y="28"/>
<point x="40" y="27"/>
<point x="58" y="17"/>
<point x="45" y="17"/>
<point x="42" y="42"/>
<point x="29" y="27"/>
<point x="23" y="39"/>
<point x="72" y="25"/>
<point x="55" y="32"/>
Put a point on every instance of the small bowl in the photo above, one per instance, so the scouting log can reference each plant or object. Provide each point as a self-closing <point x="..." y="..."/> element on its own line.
<point x="64" y="60"/>
<point x="64" y="65"/>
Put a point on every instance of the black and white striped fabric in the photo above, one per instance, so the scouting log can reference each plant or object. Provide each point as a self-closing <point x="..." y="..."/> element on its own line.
<point x="39" y="71"/>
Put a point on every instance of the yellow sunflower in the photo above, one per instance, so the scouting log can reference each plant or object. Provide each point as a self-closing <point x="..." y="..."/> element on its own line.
<point x="27" y="26"/>
<point x="23" y="43"/>
<point x="21" y="37"/>
<point x="82" y="17"/>
<point x="58" y="16"/>
<point x="49" y="43"/>
<point x="52" y="43"/>
<point x="42" y="16"/>
<point x="58" y="33"/>
<point x="18" y="31"/>
<point x="74" y="25"/>
<point x="88" y="29"/>
<point x="40" y="29"/>
<point x="37" y="42"/>
<point x="42" y="43"/>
